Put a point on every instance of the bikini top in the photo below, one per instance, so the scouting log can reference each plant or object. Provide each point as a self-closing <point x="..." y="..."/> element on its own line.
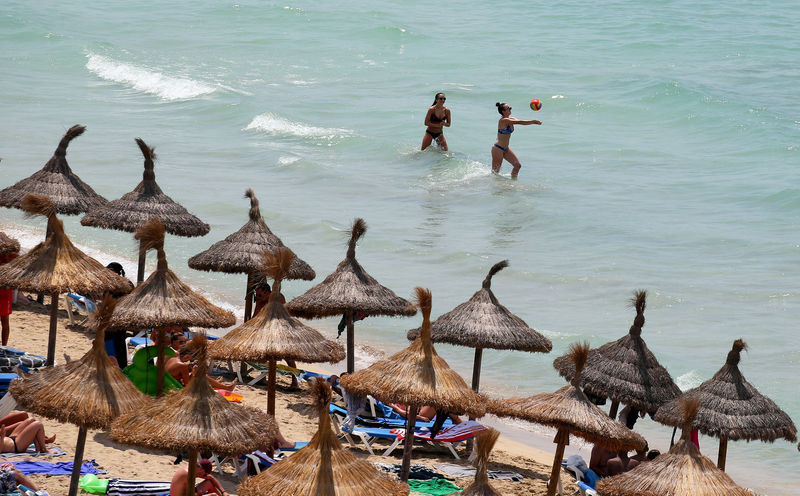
<point x="436" y="119"/>
<point x="506" y="130"/>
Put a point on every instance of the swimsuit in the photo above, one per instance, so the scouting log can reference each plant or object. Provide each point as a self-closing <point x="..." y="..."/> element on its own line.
<point x="14" y="439"/>
<point x="501" y="147"/>
<point x="506" y="130"/>
<point x="433" y="134"/>
<point x="436" y="120"/>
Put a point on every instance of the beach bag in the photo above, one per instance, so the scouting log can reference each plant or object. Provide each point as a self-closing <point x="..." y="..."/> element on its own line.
<point x="93" y="484"/>
<point x="8" y="481"/>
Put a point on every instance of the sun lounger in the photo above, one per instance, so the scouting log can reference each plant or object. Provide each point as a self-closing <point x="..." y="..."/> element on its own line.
<point x="446" y="437"/>
<point x="263" y="372"/>
<point x="77" y="303"/>
<point x="5" y="381"/>
<point x="257" y="459"/>
<point x="10" y="358"/>
<point x="379" y="421"/>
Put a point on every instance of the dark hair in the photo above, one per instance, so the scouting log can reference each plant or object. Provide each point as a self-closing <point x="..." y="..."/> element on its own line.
<point x="263" y="286"/>
<point x="436" y="97"/>
<point x="116" y="267"/>
<point x="206" y="465"/>
<point x="501" y="107"/>
<point x="652" y="454"/>
<point x="630" y="420"/>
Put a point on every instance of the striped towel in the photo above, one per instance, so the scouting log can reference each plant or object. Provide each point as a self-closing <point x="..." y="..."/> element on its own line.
<point x="120" y="487"/>
<point x="458" y="432"/>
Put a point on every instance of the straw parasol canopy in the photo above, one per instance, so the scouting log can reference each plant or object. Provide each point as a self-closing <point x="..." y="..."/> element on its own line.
<point x="571" y="412"/>
<point x="8" y="244"/>
<point x="683" y="470"/>
<point x="731" y="408"/>
<point x="241" y="252"/>
<point x="482" y="322"/>
<point x="90" y="392"/>
<point x="69" y="194"/>
<point x="144" y="202"/>
<point x="197" y="419"/>
<point x="56" y="266"/>
<point x="273" y="334"/>
<point x="347" y="290"/>
<point x="625" y="370"/>
<point x="481" y="487"/>
<point x="323" y="467"/>
<point x="163" y="300"/>
<point x="416" y="376"/>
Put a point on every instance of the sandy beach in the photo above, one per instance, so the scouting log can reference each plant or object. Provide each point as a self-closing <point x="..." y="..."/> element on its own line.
<point x="29" y="324"/>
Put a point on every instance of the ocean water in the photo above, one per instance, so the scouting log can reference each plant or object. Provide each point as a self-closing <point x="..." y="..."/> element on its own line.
<point x="667" y="161"/>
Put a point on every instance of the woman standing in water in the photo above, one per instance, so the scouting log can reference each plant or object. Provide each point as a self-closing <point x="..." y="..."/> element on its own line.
<point x="501" y="150"/>
<point x="438" y="116"/>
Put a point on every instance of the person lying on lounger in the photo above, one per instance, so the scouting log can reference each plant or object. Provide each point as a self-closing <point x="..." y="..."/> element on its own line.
<point x="23" y="433"/>
<point x="210" y="485"/>
<point x="181" y="367"/>
<point x="425" y="413"/>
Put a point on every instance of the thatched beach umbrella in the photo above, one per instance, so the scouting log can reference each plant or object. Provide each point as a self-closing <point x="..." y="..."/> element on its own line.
<point x="350" y="289"/>
<point x="163" y="300"/>
<point x="482" y="322"/>
<point x="56" y="266"/>
<point x="90" y="392"/>
<point x="323" y="467"/>
<point x="197" y="419"/>
<point x="484" y="444"/>
<point x="69" y="194"/>
<point x="8" y="244"/>
<point x="241" y="252"/>
<point x="143" y="203"/>
<point x="683" y="470"/>
<point x="625" y="370"/>
<point x="416" y="376"/>
<point x="571" y="412"/>
<point x="272" y="334"/>
<point x="731" y="408"/>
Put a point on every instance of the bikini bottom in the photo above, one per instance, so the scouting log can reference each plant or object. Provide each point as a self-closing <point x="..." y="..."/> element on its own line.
<point x="433" y="134"/>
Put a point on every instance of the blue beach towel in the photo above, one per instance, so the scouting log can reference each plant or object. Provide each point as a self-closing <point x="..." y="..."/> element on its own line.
<point x="29" y="467"/>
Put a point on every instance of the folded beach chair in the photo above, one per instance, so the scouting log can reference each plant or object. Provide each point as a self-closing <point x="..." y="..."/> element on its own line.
<point x="77" y="303"/>
<point x="446" y="437"/>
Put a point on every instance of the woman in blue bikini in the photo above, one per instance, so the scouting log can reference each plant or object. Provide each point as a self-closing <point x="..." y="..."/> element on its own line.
<point x="438" y="116"/>
<point x="501" y="150"/>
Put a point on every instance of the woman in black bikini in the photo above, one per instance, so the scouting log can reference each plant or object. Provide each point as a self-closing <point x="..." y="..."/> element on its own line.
<point x="438" y="115"/>
<point x="22" y="435"/>
<point x="501" y="150"/>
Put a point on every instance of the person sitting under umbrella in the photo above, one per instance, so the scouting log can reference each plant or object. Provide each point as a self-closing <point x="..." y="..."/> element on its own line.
<point x="210" y="485"/>
<point x="181" y="367"/>
<point x="23" y="434"/>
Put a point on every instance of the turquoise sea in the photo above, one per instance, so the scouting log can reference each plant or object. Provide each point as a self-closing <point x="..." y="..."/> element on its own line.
<point x="667" y="161"/>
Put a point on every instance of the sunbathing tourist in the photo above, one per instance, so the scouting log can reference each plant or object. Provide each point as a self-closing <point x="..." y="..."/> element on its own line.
<point x="182" y="366"/>
<point x="210" y="485"/>
<point x="24" y="433"/>
<point x="425" y="413"/>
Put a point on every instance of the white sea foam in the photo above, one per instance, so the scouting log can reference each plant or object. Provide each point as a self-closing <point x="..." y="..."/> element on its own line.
<point x="689" y="380"/>
<point x="146" y="80"/>
<point x="274" y="124"/>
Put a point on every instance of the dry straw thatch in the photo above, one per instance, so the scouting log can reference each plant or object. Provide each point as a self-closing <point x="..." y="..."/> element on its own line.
<point x="416" y="376"/>
<point x="347" y="290"/>
<point x="273" y="334"/>
<point x="571" y="412"/>
<point x="90" y="392"/>
<point x="682" y="471"/>
<point x="323" y="467"/>
<point x="481" y="486"/>
<point x="56" y="266"/>
<point x="8" y="244"/>
<point x="482" y="322"/>
<point x="625" y="370"/>
<point x="732" y="408"/>
<point x="196" y="418"/>
<point x="69" y="194"/>
<point x="143" y="203"/>
<point x="163" y="300"/>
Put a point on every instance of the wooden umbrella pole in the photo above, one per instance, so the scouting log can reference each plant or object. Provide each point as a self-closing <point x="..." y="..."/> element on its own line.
<point x="562" y="438"/>
<point x="723" y="453"/>
<point x="140" y="269"/>
<point x="160" y="365"/>
<point x="51" y="339"/>
<point x="476" y="369"/>
<point x="351" y="344"/>
<point x="273" y="364"/>
<point x="77" y="462"/>
<point x="614" y="407"/>
<point x="411" y="415"/>
<point x="192" y="472"/>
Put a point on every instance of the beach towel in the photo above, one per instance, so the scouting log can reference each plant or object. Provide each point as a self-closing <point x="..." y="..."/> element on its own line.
<point x="119" y="487"/>
<point x="29" y="467"/>
<point x="436" y="487"/>
<point x="458" y="471"/>
<point x="31" y="451"/>
<point x="418" y="472"/>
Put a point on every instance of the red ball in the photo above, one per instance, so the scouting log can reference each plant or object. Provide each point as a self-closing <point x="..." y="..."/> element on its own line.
<point x="536" y="104"/>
